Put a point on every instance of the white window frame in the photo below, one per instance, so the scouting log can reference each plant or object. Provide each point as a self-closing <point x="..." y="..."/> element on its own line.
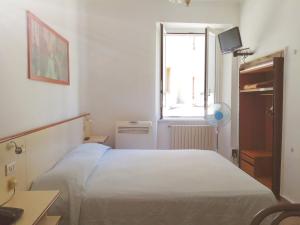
<point x="208" y="31"/>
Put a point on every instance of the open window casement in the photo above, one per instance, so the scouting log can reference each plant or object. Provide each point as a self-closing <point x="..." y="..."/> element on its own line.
<point x="212" y="55"/>
<point x="189" y="64"/>
<point x="162" y="67"/>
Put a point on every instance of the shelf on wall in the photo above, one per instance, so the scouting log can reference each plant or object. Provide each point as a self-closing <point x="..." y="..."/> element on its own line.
<point x="265" y="67"/>
<point x="257" y="153"/>
<point x="257" y="90"/>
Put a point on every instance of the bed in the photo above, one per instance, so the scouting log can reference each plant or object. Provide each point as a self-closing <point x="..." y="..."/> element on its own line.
<point x="102" y="186"/>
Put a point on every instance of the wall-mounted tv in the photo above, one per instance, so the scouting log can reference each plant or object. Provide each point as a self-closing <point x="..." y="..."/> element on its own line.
<point x="230" y="40"/>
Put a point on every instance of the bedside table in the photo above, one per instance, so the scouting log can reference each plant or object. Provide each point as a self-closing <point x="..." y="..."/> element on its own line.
<point x="35" y="205"/>
<point x="96" y="139"/>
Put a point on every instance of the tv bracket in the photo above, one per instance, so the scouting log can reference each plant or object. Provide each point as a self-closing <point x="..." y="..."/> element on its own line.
<point x="245" y="52"/>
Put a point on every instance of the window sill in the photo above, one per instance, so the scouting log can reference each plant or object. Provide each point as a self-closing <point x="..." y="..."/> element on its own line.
<point x="181" y="119"/>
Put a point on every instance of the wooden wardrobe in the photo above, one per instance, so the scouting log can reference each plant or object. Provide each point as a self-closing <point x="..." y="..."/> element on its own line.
<point x="260" y="119"/>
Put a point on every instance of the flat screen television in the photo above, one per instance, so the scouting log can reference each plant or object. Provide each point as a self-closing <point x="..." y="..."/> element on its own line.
<point x="230" y="40"/>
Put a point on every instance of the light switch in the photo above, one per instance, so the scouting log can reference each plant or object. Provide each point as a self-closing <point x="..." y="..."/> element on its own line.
<point x="10" y="169"/>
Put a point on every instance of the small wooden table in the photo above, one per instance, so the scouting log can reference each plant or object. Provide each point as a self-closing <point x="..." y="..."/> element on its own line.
<point x="35" y="205"/>
<point x="96" y="139"/>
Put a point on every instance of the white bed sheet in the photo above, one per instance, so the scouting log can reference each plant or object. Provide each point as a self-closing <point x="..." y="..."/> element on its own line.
<point x="69" y="176"/>
<point x="158" y="187"/>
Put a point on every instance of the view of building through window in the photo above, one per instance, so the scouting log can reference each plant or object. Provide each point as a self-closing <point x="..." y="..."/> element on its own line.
<point x="184" y="77"/>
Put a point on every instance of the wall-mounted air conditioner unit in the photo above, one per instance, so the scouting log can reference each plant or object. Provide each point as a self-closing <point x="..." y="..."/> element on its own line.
<point x="134" y="135"/>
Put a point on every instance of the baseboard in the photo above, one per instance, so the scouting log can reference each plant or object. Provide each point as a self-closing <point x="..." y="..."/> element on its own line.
<point x="285" y="199"/>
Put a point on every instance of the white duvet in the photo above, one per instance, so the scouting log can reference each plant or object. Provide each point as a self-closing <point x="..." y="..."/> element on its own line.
<point x="153" y="187"/>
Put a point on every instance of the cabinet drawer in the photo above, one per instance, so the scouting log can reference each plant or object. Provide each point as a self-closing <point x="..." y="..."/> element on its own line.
<point x="247" y="158"/>
<point x="247" y="167"/>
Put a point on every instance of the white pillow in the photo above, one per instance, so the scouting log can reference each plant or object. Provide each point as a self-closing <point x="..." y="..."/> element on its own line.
<point x="69" y="176"/>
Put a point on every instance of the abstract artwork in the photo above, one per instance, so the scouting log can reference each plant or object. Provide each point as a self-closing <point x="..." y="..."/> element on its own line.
<point x="48" y="53"/>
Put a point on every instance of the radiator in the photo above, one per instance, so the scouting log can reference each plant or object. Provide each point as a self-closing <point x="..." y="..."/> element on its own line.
<point x="193" y="137"/>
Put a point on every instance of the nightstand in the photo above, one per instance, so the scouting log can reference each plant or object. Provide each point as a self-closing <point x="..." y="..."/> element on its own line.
<point x="35" y="205"/>
<point x="96" y="139"/>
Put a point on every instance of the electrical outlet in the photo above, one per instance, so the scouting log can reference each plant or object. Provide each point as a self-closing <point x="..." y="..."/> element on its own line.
<point x="235" y="153"/>
<point x="10" y="169"/>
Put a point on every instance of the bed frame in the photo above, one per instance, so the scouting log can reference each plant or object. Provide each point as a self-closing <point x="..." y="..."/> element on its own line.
<point x="44" y="146"/>
<point x="283" y="211"/>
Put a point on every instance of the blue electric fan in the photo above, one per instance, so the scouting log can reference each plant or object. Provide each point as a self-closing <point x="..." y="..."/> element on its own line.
<point x="218" y="115"/>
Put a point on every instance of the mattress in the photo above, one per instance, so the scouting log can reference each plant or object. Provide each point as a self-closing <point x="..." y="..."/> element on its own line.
<point x="165" y="187"/>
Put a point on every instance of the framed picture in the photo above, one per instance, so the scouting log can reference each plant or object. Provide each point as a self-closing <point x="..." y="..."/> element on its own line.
<point x="48" y="53"/>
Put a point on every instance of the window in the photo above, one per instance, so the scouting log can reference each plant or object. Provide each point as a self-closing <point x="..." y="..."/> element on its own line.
<point x="186" y="90"/>
<point x="184" y="80"/>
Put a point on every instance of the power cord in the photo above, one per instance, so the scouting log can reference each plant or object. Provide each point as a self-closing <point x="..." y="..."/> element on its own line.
<point x="10" y="198"/>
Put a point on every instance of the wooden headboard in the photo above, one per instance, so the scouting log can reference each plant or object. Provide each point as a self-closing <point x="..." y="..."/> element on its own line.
<point x="44" y="146"/>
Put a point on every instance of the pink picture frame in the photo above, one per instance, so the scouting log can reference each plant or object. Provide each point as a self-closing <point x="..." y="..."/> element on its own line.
<point x="48" y="53"/>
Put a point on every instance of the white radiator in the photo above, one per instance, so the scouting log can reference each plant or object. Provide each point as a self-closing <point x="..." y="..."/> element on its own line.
<point x="193" y="137"/>
<point x="134" y="135"/>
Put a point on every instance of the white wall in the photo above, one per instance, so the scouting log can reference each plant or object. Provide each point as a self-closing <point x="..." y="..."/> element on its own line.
<point x="225" y="96"/>
<point x="121" y="40"/>
<point x="113" y="59"/>
<point x="26" y="104"/>
<point x="268" y="26"/>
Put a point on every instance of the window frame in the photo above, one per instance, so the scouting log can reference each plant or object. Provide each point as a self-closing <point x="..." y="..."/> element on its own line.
<point x="162" y="71"/>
